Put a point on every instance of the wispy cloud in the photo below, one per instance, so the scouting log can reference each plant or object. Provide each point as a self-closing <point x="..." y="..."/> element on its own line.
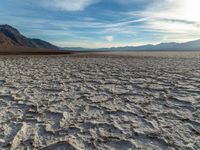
<point x="177" y="9"/>
<point x="173" y="16"/>
<point x="175" y="19"/>
<point x="68" y="5"/>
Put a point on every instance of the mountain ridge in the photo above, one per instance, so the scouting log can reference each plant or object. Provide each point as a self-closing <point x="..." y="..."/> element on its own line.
<point x="10" y="36"/>
<point x="171" y="46"/>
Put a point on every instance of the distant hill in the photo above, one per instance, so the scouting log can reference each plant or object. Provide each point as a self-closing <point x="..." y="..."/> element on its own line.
<point x="187" y="46"/>
<point x="11" y="38"/>
<point x="74" y="48"/>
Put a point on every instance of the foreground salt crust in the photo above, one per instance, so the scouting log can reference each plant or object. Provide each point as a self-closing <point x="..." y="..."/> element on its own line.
<point x="61" y="102"/>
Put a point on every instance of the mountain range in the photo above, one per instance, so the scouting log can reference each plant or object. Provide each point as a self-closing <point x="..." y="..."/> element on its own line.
<point x="11" y="40"/>
<point x="187" y="46"/>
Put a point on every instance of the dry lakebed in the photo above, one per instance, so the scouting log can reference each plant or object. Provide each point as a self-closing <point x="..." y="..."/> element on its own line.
<point x="100" y="101"/>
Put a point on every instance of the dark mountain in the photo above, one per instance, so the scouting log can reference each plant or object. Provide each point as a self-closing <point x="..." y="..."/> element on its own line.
<point x="10" y="36"/>
<point x="43" y="44"/>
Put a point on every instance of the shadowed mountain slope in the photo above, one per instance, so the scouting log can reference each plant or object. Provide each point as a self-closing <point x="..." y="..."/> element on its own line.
<point x="11" y="38"/>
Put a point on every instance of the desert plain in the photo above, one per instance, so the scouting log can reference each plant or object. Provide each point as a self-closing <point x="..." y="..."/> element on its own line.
<point x="107" y="101"/>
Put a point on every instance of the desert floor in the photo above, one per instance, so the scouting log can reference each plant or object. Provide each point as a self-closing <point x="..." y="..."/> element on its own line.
<point x="100" y="101"/>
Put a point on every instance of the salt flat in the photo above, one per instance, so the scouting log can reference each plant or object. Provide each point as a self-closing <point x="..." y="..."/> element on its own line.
<point x="135" y="101"/>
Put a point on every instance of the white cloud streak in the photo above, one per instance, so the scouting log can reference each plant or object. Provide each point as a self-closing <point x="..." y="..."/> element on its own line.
<point x="175" y="20"/>
<point x="68" y="5"/>
<point x="173" y="16"/>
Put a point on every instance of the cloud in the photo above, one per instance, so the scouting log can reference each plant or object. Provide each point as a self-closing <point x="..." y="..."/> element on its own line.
<point x="68" y="5"/>
<point x="125" y="2"/>
<point x="176" y="9"/>
<point x="109" y="38"/>
<point x="172" y="17"/>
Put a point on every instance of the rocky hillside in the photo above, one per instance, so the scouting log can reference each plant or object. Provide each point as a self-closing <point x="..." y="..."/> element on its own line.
<point x="10" y="37"/>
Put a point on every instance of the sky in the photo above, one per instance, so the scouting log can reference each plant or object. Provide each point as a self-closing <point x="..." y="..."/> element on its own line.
<point x="104" y="23"/>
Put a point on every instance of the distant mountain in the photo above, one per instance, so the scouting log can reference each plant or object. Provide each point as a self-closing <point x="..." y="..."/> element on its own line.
<point x="11" y="37"/>
<point x="74" y="48"/>
<point x="187" y="46"/>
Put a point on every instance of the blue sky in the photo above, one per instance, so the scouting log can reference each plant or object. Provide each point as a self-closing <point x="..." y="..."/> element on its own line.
<point x="104" y="23"/>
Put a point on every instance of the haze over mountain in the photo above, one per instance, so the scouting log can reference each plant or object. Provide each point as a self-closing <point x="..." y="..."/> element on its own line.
<point x="173" y="46"/>
<point x="11" y="37"/>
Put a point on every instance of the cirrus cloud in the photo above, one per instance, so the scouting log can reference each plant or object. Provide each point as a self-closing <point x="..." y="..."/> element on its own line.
<point x="68" y="5"/>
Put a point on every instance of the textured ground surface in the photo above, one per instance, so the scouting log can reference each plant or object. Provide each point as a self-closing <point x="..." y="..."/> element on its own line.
<point x="59" y="102"/>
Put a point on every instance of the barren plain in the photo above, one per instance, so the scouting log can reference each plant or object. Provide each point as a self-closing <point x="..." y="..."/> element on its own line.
<point x="100" y="101"/>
